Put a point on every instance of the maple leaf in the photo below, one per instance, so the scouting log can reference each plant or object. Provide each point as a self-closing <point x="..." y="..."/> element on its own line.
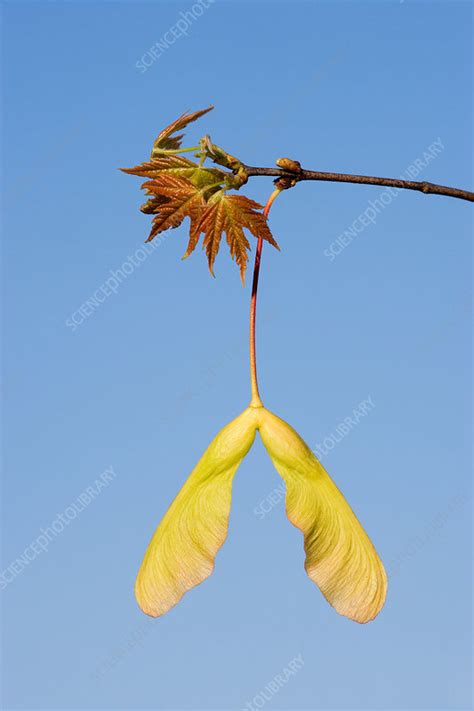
<point x="174" y="199"/>
<point x="231" y="214"/>
<point x="166" y="141"/>
<point x="179" y="166"/>
<point x="174" y="164"/>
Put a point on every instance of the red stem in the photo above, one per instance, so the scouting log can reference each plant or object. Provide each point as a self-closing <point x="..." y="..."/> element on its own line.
<point x="256" y="401"/>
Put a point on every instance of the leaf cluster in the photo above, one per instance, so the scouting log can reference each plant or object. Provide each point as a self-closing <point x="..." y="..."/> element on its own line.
<point x="179" y="188"/>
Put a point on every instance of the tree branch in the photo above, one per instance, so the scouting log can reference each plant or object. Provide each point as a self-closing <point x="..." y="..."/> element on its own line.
<point x="423" y="187"/>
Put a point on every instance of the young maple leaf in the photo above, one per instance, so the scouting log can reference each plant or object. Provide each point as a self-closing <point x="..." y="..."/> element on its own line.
<point x="230" y="214"/>
<point x="176" y="198"/>
<point x="165" y="139"/>
<point x="174" y="164"/>
<point x="179" y="166"/>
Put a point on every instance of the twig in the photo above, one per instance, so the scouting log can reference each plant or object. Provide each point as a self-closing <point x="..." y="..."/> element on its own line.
<point x="423" y="187"/>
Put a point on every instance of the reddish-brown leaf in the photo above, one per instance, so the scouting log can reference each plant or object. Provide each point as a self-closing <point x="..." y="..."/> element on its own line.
<point x="179" y="166"/>
<point x="182" y="199"/>
<point x="230" y="214"/>
<point x="166" y="140"/>
<point x="175" y="164"/>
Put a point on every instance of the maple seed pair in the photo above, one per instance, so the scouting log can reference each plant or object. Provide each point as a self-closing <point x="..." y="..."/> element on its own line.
<point x="340" y="558"/>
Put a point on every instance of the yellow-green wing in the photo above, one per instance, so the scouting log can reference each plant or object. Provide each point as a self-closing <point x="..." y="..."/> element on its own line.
<point x="340" y="557"/>
<point x="182" y="551"/>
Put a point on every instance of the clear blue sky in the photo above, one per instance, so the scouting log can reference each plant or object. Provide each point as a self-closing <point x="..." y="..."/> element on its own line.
<point x="149" y="377"/>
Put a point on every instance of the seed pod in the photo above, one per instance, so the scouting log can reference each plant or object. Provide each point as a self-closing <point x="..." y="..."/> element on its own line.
<point x="182" y="551"/>
<point x="340" y="557"/>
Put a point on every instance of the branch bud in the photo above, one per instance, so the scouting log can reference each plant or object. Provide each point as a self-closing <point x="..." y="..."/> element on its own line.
<point x="293" y="166"/>
<point x="284" y="182"/>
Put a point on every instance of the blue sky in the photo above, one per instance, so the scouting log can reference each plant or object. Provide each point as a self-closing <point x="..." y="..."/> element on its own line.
<point x="140" y="387"/>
